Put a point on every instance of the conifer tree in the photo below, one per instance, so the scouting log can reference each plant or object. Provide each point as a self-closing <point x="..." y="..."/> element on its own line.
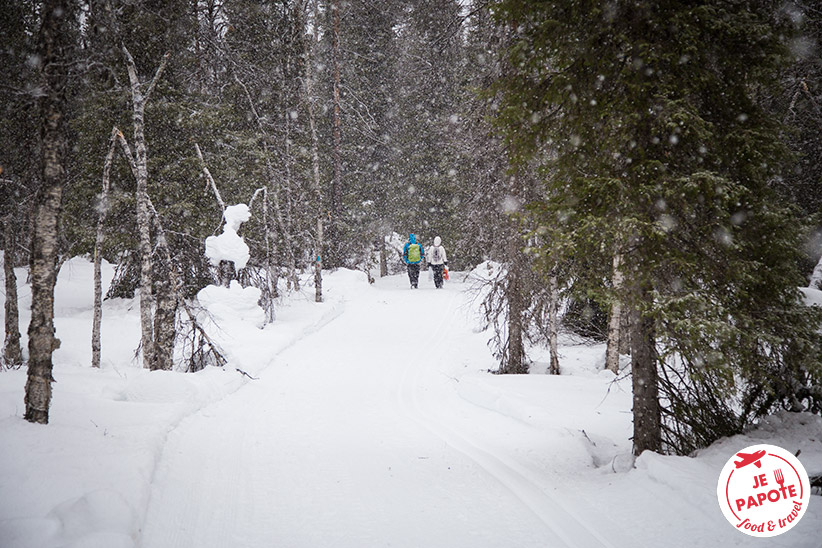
<point x="662" y="148"/>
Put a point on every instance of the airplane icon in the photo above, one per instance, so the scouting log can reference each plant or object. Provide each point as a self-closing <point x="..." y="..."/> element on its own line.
<point x="750" y="458"/>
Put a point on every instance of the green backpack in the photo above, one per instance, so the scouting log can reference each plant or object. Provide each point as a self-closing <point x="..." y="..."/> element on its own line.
<point x="414" y="253"/>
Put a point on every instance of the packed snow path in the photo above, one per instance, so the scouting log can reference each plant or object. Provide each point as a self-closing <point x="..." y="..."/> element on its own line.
<point x="356" y="437"/>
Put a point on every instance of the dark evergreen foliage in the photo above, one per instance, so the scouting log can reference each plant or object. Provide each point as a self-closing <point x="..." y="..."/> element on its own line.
<point x="663" y="149"/>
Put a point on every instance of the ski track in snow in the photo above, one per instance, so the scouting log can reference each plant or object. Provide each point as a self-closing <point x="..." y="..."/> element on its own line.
<point x="349" y="435"/>
<point x="567" y="528"/>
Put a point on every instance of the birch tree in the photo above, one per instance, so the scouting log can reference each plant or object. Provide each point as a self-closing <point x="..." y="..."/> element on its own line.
<point x="310" y="101"/>
<point x="140" y="94"/>
<point x="98" y="250"/>
<point x="55" y="46"/>
<point x="335" y="254"/>
<point x="612" y="348"/>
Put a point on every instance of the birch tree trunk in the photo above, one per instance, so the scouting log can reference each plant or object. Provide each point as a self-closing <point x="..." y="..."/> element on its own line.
<point x="12" y="353"/>
<point x="165" y="317"/>
<point x="54" y="44"/>
<point x="336" y="183"/>
<point x="315" y="154"/>
<point x="209" y="178"/>
<point x="170" y="297"/>
<point x="98" y="252"/>
<point x="138" y="100"/>
<point x="615" y="321"/>
<point x="553" y="327"/>
<point x="647" y="417"/>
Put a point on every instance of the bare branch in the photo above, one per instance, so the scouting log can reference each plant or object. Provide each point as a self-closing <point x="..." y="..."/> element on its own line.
<point x="157" y="75"/>
<point x="127" y="152"/>
<point x="209" y="178"/>
<point x="132" y="75"/>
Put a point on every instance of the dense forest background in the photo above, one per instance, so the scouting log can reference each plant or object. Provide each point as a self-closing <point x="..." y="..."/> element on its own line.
<point x="641" y="172"/>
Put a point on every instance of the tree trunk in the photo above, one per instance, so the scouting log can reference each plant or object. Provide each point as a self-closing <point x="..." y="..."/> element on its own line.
<point x="315" y="156"/>
<point x="138" y="100"/>
<point x="318" y="265"/>
<point x="553" y="306"/>
<point x="293" y="279"/>
<point x="336" y="183"/>
<point x="515" y="362"/>
<point x="271" y="277"/>
<point x="615" y="321"/>
<point x="12" y="353"/>
<point x="515" y="358"/>
<point x="55" y="42"/>
<point x="165" y="317"/>
<point x="625" y="330"/>
<point x="647" y="419"/>
<point x="98" y="252"/>
<point x="383" y="259"/>
<point x="169" y="299"/>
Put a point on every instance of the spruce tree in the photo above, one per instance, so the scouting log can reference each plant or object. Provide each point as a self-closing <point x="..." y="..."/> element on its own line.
<point x="660" y="149"/>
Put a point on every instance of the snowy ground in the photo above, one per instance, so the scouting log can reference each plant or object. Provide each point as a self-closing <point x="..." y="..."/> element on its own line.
<point x="372" y="422"/>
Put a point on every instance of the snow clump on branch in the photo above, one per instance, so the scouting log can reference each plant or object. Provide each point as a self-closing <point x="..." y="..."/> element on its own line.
<point x="229" y="246"/>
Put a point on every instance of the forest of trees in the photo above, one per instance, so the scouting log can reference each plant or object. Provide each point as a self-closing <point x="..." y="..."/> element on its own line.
<point x="643" y="173"/>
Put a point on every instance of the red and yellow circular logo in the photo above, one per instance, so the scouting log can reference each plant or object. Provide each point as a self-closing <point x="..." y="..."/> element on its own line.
<point x="763" y="490"/>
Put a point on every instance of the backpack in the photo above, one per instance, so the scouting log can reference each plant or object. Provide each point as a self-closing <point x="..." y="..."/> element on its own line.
<point x="435" y="255"/>
<point x="414" y="253"/>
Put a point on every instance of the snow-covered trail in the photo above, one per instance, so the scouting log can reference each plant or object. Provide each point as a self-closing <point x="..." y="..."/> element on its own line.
<point x="356" y="437"/>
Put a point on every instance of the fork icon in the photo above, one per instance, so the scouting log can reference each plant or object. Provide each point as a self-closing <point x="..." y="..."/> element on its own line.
<point x="780" y="479"/>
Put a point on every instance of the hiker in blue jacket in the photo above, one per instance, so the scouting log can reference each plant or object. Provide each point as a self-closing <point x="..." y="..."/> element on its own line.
<point x="412" y="254"/>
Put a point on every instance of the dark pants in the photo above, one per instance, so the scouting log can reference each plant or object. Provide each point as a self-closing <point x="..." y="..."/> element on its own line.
<point x="438" y="268"/>
<point x="414" y="274"/>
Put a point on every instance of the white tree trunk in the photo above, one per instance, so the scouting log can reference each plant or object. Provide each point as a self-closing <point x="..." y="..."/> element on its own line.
<point x="209" y="178"/>
<point x="98" y="251"/>
<point x="553" y="326"/>
<point x="336" y="183"/>
<point x="614" y="324"/>
<point x="315" y="156"/>
<point x="165" y="317"/>
<point x="138" y="100"/>
<point x="54" y="45"/>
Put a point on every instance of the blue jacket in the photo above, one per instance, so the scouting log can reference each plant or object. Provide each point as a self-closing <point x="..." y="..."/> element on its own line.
<point x="412" y="240"/>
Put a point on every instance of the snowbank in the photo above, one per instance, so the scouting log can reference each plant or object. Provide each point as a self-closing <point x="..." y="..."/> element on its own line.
<point x="84" y="479"/>
<point x="233" y="304"/>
